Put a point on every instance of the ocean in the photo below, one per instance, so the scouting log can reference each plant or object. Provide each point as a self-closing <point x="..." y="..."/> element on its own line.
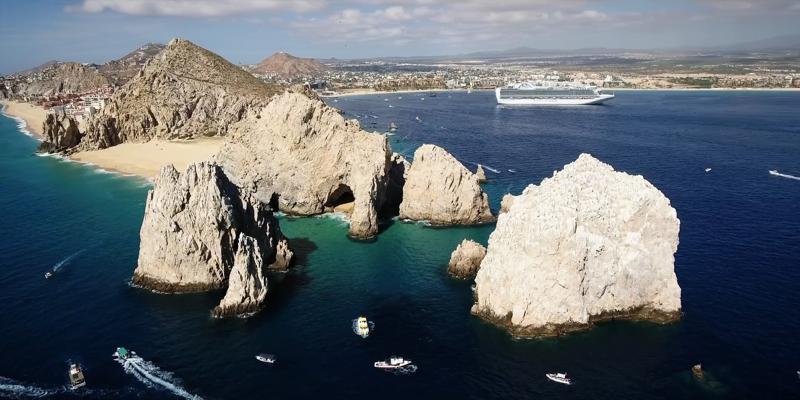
<point x="737" y="265"/>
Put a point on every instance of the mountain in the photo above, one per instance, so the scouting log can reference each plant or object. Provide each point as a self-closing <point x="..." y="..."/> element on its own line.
<point x="288" y="66"/>
<point x="184" y="92"/>
<point x="122" y="69"/>
<point x="783" y="42"/>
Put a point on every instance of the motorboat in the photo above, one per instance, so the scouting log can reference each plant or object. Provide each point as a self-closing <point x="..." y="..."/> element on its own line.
<point x="394" y="362"/>
<point x="123" y="354"/>
<point x="76" y="378"/>
<point x="266" y="358"/>
<point x="362" y="327"/>
<point x="48" y="274"/>
<point x="418" y="119"/>
<point x="708" y="169"/>
<point x="559" y="377"/>
<point x="774" y="172"/>
<point x="392" y="127"/>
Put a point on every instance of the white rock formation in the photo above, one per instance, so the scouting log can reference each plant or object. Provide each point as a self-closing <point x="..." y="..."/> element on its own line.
<point x="506" y="203"/>
<point x="247" y="283"/>
<point x="440" y="190"/>
<point x="480" y="174"/>
<point x="585" y="245"/>
<point x="192" y="226"/>
<point x="466" y="259"/>
<point x="303" y="155"/>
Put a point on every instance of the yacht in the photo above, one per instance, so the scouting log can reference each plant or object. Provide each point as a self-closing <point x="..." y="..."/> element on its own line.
<point x="76" y="379"/>
<point x="394" y="362"/>
<point x="550" y="93"/>
<point x="266" y="358"/>
<point x="559" y="377"/>
<point x="48" y="274"/>
<point x="362" y="327"/>
<point x="392" y="127"/>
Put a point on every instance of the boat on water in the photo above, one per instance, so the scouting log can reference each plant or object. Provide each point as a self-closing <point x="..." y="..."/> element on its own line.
<point x="48" y="274"/>
<point x="76" y="378"/>
<point x="559" y="377"/>
<point x="123" y="354"/>
<point x="550" y="93"/>
<point x="774" y="172"/>
<point x="266" y="358"/>
<point x="392" y="127"/>
<point x="394" y="362"/>
<point x="362" y="327"/>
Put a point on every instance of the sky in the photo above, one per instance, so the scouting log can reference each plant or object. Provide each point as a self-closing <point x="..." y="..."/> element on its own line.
<point x="246" y="31"/>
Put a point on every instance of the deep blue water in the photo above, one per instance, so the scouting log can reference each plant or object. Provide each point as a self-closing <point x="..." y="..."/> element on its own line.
<point x="737" y="263"/>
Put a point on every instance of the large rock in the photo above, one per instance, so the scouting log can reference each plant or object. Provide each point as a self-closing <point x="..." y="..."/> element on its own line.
<point x="466" y="259"/>
<point x="185" y="91"/>
<point x="247" y="283"/>
<point x="193" y="225"/>
<point x="480" y="174"/>
<point x="587" y="244"/>
<point x="301" y="154"/>
<point x="60" y="133"/>
<point x="440" y="190"/>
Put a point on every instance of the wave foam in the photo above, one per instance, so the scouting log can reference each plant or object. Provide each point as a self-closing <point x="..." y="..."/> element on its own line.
<point x="154" y="377"/>
<point x="787" y="176"/>
<point x="12" y="389"/>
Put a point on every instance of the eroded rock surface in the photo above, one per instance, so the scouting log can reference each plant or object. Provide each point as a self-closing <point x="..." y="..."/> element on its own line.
<point x="301" y="154"/>
<point x="466" y="259"/>
<point x="192" y="227"/>
<point x="247" y="283"/>
<point x="585" y="245"/>
<point x="440" y="190"/>
<point x="480" y="174"/>
<point x="60" y="133"/>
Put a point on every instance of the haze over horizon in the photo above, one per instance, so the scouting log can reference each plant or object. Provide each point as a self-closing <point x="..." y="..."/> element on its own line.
<point x="246" y="31"/>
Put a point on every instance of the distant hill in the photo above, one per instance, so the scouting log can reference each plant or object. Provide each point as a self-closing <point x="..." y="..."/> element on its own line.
<point x="288" y="66"/>
<point x="783" y="42"/>
<point x="123" y="69"/>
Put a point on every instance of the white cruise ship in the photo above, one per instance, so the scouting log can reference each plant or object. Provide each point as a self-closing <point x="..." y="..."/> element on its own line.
<point x="550" y="93"/>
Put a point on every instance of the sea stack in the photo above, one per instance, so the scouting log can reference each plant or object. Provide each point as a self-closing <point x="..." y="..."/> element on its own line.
<point x="480" y="174"/>
<point x="193" y="226"/>
<point x="440" y="190"/>
<point x="301" y="155"/>
<point x="60" y="133"/>
<point x="466" y="259"/>
<point x="587" y="244"/>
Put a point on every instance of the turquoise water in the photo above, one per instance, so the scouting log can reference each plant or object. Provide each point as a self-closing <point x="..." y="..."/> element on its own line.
<point x="737" y="264"/>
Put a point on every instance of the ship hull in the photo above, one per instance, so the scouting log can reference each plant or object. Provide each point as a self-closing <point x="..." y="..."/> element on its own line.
<point x="554" y="101"/>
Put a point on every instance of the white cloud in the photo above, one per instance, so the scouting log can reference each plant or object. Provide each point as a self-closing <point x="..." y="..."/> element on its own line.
<point x="196" y="8"/>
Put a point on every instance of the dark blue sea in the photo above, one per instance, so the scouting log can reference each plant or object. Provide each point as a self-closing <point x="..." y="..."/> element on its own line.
<point x="738" y="264"/>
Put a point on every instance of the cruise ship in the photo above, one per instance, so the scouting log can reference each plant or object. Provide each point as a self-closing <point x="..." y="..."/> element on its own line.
<point x="550" y="93"/>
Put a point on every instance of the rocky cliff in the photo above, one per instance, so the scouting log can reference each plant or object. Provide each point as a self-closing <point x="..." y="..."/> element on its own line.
<point x="193" y="226"/>
<point x="60" y="133"/>
<point x="585" y="245"/>
<point x="440" y="190"/>
<point x="466" y="259"/>
<point x="302" y="155"/>
<point x="247" y="281"/>
<point x="183" y="92"/>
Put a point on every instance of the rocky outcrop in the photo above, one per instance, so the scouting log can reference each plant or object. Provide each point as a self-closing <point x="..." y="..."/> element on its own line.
<point x="193" y="225"/>
<point x="303" y="156"/>
<point x="440" y="190"/>
<point x="247" y="282"/>
<point x="585" y="245"/>
<point x="183" y="92"/>
<point x="56" y="78"/>
<point x="506" y="203"/>
<point x="466" y="259"/>
<point x="60" y="133"/>
<point x="480" y="174"/>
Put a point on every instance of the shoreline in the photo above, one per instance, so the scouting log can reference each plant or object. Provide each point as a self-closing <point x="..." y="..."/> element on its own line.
<point x="31" y="115"/>
<point x="366" y="92"/>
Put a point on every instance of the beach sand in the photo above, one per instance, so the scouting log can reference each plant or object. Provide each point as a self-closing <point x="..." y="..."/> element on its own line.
<point x="33" y="115"/>
<point x="146" y="159"/>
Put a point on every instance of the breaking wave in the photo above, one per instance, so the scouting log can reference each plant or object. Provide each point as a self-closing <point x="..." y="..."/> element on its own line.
<point x="154" y="377"/>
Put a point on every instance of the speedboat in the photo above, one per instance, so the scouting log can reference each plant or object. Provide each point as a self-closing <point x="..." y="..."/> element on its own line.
<point x="76" y="379"/>
<point x="362" y="327"/>
<point x="708" y="169"/>
<point x="394" y="362"/>
<point x="559" y="377"/>
<point x="774" y="172"/>
<point x="123" y="354"/>
<point x="392" y="127"/>
<point x="266" y="358"/>
<point x="48" y="274"/>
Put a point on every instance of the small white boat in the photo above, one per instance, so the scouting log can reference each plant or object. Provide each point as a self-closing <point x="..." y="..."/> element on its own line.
<point x="394" y="362"/>
<point x="266" y="358"/>
<point x="362" y="327"/>
<point x="418" y="119"/>
<point x="708" y="169"/>
<point x="774" y="172"/>
<point x="76" y="378"/>
<point x="559" y="377"/>
<point x="48" y="275"/>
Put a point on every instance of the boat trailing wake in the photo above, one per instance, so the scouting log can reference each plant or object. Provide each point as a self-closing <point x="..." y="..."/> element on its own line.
<point x="154" y="377"/>
<point x="12" y="389"/>
<point x="787" y="176"/>
<point x="496" y="171"/>
<point x="57" y="267"/>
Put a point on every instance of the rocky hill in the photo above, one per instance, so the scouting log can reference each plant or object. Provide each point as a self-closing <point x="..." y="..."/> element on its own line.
<point x="57" y="78"/>
<point x="121" y="70"/>
<point x="184" y="92"/>
<point x="287" y="66"/>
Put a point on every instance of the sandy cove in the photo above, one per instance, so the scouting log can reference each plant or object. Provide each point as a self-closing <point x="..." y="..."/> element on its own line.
<point x="33" y="115"/>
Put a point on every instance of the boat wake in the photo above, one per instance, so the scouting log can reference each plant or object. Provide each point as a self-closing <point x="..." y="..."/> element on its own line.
<point x="12" y="389"/>
<point x="407" y="370"/>
<point x="787" y="176"/>
<point x="57" y="267"/>
<point x="355" y="327"/>
<point x="154" y="377"/>
<point x="496" y="171"/>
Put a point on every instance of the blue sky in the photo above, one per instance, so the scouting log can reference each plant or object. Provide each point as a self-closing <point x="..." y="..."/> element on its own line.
<point x="245" y="31"/>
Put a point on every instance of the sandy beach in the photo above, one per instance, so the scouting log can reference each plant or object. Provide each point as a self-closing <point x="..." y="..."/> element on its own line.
<point x="146" y="159"/>
<point x="33" y="115"/>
